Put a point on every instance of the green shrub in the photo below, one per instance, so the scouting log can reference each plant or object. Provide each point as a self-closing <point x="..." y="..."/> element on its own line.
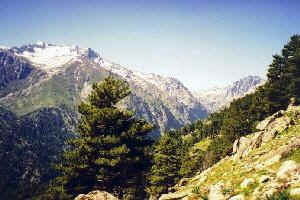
<point x="282" y="195"/>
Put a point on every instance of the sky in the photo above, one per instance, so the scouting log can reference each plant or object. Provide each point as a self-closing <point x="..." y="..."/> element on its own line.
<point x="203" y="43"/>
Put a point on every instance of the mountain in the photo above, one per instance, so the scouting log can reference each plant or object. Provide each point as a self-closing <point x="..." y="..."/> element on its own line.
<point x="40" y="87"/>
<point x="43" y="75"/>
<point x="215" y="98"/>
<point x="263" y="165"/>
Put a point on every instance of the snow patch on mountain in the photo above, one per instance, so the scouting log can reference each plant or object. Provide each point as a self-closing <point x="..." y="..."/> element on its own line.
<point x="4" y="47"/>
<point x="49" y="57"/>
<point x="172" y="87"/>
<point x="52" y="58"/>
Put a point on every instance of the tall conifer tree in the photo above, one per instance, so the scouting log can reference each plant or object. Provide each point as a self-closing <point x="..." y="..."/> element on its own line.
<point x="109" y="153"/>
<point x="167" y="161"/>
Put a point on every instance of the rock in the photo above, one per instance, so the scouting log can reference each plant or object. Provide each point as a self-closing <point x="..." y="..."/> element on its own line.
<point x="269" y="135"/>
<point x="172" y="196"/>
<point x="244" y="145"/>
<point x="270" y="192"/>
<point x="237" y="197"/>
<point x="264" y="124"/>
<point x="275" y="156"/>
<point x="287" y="169"/>
<point x="247" y="182"/>
<point x="183" y="182"/>
<point x="270" y="128"/>
<point x="153" y="197"/>
<point x="241" y="147"/>
<point x="216" y="192"/>
<point x="272" y="160"/>
<point x="275" y="127"/>
<point x="96" y="195"/>
<point x="264" y="179"/>
<point x="295" y="191"/>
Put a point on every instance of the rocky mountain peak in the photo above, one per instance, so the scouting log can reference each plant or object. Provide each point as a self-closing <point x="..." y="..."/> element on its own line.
<point x="52" y="57"/>
<point x="217" y="97"/>
<point x="244" y="86"/>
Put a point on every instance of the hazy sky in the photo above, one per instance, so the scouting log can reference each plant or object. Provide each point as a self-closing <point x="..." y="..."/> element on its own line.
<point x="203" y="43"/>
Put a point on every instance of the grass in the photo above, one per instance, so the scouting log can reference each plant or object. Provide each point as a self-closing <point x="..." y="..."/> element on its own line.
<point x="60" y="89"/>
<point x="294" y="155"/>
<point x="250" y="189"/>
<point x="203" y="144"/>
<point x="282" y="195"/>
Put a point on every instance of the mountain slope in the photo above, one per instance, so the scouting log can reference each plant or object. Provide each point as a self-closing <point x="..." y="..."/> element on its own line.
<point x="262" y="164"/>
<point x="30" y="145"/>
<point x="215" y="98"/>
<point x="46" y="75"/>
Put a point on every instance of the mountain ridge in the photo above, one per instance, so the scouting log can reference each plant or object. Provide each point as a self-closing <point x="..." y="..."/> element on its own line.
<point x="216" y="98"/>
<point x="154" y="97"/>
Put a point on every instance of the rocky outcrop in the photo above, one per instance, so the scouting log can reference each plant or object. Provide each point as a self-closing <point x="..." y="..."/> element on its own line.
<point x="96" y="195"/>
<point x="173" y="196"/>
<point x="12" y="68"/>
<point x="263" y="163"/>
<point x="247" y="182"/>
<point x="287" y="170"/>
<point x="237" y="197"/>
<point x="216" y="192"/>
<point x="269" y="128"/>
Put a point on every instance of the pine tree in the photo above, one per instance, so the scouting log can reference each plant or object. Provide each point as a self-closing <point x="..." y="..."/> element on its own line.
<point x="167" y="161"/>
<point x="109" y="153"/>
<point x="283" y="77"/>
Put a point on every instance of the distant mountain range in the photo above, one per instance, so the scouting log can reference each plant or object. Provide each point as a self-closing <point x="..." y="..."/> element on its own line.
<point x="215" y="98"/>
<point x="43" y="75"/>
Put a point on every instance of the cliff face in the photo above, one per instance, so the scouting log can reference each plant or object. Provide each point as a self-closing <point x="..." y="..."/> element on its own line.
<point x="12" y="68"/>
<point x="263" y="164"/>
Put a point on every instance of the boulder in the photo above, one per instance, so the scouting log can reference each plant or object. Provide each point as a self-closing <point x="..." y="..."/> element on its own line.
<point x="237" y="197"/>
<point x="270" y="192"/>
<point x="264" y="124"/>
<point x="241" y="147"/>
<point x="183" y="182"/>
<point x="96" y="195"/>
<point x="173" y="196"/>
<point x="247" y="182"/>
<point x="216" y="192"/>
<point x="244" y="145"/>
<point x="295" y="191"/>
<point x="276" y="126"/>
<point x="287" y="169"/>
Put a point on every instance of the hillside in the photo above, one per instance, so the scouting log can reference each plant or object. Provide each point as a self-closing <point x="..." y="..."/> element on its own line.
<point x="214" y="99"/>
<point x="30" y="145"/>
<point x="263" y="164"/>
